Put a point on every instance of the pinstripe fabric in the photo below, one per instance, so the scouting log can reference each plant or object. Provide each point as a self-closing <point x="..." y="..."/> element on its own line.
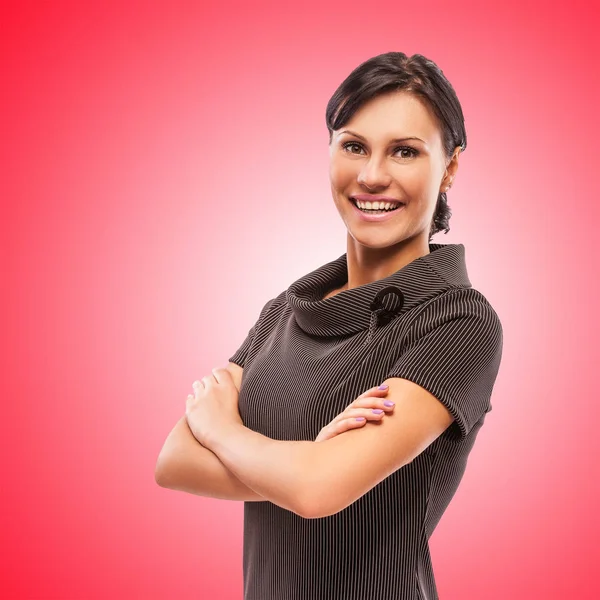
<point x="305" y="359"/>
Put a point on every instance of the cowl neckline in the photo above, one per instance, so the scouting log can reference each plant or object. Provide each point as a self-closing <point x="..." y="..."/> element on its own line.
<point x="373" y="304"/>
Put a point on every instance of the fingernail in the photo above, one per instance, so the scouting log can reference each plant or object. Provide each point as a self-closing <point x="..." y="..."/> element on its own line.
<point x="389" y="403"/>
<point x="377" y="411"/>
<point x="383" y="386"/>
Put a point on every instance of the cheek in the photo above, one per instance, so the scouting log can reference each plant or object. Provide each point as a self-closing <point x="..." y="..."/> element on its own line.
<point x="339" y="173"/>
<point x="417" y="181"/>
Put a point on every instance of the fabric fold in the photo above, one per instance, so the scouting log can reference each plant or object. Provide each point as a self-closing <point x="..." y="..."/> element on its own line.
<point x="373" y="304"/>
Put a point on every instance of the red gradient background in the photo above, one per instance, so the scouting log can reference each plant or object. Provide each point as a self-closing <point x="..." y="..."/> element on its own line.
<point x="165" y="172"/>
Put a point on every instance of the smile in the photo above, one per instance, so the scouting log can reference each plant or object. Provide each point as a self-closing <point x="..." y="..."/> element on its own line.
<point x="375" y="206"/>
<point x="376" y="211"/>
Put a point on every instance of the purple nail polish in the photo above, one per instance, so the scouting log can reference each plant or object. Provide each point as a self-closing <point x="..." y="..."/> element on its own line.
<point x="389" y="403"/>
<point x="383" y="386"/>
<point x="377" y="411"/>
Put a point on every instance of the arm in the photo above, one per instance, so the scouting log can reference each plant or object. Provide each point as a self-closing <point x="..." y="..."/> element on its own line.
<point x="320" y="479"/>
<point x="446" y="373"/>
<point x="185" y="465"/>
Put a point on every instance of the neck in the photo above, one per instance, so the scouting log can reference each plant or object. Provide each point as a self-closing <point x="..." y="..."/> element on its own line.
<point x="366" y="265"/>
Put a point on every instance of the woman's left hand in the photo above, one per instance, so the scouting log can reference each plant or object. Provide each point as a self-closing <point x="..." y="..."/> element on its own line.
<point x="213" y="407"/>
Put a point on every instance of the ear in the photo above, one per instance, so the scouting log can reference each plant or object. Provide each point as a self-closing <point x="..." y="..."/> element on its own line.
<point x="451" y="169"/>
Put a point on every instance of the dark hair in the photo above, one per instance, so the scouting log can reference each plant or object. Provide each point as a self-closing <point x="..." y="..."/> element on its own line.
<point x="394" y="71"/>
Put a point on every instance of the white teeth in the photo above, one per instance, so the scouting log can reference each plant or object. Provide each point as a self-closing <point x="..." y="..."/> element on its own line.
<point x="376" y="205"/>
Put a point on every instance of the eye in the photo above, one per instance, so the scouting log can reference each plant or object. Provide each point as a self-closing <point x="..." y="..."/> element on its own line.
<point x="348" y="145"/>
<point x="408" y="151"/>
<point x="412" y="151"/>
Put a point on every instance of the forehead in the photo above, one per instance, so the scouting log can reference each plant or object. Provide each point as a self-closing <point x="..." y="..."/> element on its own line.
<point x="395" y="115"/>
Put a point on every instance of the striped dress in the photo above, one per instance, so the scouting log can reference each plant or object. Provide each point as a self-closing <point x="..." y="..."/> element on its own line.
<point x="305" y="359"/>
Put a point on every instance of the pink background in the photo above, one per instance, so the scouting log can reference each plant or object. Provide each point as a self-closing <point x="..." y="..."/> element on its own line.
<point x="164" y="173"/>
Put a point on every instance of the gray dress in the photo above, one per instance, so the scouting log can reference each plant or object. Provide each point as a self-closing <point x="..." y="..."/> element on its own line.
<point x="305" y="359"/>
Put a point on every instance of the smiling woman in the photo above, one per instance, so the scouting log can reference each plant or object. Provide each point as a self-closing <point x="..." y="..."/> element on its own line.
<point x="394" y="144"/>
<point x="349" y="517"/>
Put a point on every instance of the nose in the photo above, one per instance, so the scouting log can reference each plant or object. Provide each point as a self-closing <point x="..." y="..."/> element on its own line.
<point x="374" y="174"/>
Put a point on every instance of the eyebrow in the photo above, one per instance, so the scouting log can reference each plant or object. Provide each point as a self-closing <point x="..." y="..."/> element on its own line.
<point x="391" y="141"/>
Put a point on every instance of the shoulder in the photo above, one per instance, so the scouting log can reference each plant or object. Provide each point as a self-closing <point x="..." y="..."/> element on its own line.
<point x="269" y="316"/>
<point x="272" y="306"/>
<point x="464" y="313"/>
<point x="460" y="302"/>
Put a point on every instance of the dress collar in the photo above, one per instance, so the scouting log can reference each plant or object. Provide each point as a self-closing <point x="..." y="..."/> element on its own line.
<point x="377" y="302"/>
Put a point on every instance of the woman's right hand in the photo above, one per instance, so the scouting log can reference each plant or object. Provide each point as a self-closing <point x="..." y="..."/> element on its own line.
<point x="357" y="414"/>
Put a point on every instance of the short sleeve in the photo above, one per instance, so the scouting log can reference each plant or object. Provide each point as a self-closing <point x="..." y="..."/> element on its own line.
<point x="454" y="350"/>
<point x="240" y="355"/>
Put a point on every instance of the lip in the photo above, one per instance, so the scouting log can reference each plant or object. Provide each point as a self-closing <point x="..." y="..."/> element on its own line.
<point x="374" y="198"/>
<point x="383" y="216"/>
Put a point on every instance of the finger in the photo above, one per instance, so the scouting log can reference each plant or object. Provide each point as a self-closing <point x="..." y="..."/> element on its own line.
<point x="197" y="386"/>
<point x="370" y="414"/>
<point x="363" y="413"/>
<point x="351" y="423"/>
<point x="369" y="396"/>
<point x="374" y="390"/>
<point x="335" y="428"/>
<point x="373" y="402"/>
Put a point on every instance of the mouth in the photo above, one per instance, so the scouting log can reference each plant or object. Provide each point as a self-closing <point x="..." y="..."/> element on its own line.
<point x="376" y="208"/>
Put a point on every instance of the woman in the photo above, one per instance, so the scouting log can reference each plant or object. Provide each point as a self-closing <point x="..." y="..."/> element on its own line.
<point x="349" y="517"/>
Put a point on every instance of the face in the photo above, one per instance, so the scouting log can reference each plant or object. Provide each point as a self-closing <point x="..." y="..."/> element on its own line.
<point x="373" y="155"/>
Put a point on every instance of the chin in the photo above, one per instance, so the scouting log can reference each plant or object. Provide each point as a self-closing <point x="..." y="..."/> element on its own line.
<point x="377" y="242"/>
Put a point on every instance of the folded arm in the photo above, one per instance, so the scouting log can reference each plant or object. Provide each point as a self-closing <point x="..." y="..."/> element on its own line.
<point x="318" y="479"/>
<point x="185" y="465"/>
